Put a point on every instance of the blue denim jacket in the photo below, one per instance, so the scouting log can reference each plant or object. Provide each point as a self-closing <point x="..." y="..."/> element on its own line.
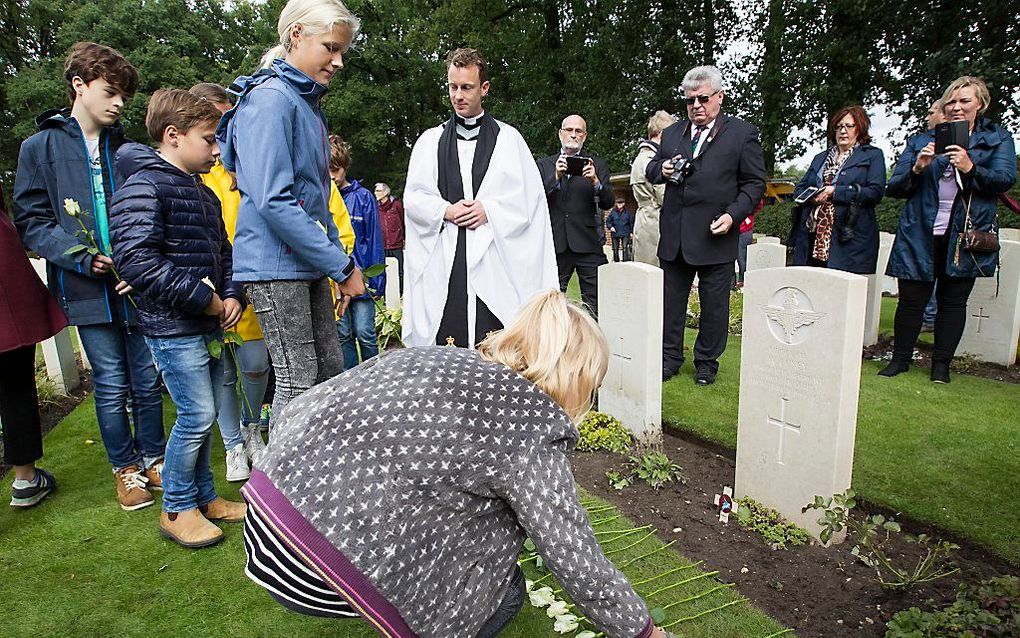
<point x="276" y="141"/>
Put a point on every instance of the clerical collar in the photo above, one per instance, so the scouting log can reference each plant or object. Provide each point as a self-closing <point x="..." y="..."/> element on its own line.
<point x="468" y="127"/>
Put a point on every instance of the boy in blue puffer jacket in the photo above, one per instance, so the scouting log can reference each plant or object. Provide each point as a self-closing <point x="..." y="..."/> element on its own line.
<point x="170" y="245"/>
<point x="71" y="158"/>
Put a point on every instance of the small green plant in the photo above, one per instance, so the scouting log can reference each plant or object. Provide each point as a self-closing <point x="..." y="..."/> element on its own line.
<point x="600" y="431"/>
<point x="387" y="320"/>
<point x="768" y="523"/>
<point x="617" y="480"/>
<point x="990" y="609"/>
<point x="656" y="469"/>
<point x="869" y="535"/>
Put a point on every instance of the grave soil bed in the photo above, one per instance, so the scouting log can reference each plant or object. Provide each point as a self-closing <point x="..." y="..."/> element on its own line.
<point x="961" y="365"/>
<point x="51" y="412"/>
<point x="819" y="592"/>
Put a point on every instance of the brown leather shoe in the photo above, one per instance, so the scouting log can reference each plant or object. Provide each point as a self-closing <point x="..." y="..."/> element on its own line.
<point x="221" y="510"/>
<point x="155" y="475"/>
<point x="131" y="492"/>
<point x="189" y="529"/>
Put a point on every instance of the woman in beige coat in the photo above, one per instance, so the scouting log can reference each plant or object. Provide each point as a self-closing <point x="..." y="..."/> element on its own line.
<point x="648" y="195"/>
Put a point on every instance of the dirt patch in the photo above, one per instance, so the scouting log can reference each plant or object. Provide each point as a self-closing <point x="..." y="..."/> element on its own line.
<point x="819" y="592"/>
<point x="962" y="364"/>
<point x="51" y="412"/>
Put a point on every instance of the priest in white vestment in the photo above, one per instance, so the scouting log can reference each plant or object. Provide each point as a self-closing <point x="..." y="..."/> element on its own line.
<point x="478" y="237"/>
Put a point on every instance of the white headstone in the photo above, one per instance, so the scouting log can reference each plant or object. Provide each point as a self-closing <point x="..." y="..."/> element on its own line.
<point x="58" y="353"/>
<point x="392" y="292"/>
<point x="630" y="314"/>
<point x="993" y="316"/>
<point x="769" y="240"/>
<point x="889" y="284"/>
<point x="608" y="250"/>
<point x="800" y="371"/>
<point x="873" y="309"/>
<point x="1009" y="234"/>
<point x="765" y="255"/>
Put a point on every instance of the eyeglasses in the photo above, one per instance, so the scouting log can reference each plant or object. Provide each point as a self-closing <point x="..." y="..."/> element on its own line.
<point x="845" y="127"/>
<point x="573" y="131"/>
<point x="703" y="99"/>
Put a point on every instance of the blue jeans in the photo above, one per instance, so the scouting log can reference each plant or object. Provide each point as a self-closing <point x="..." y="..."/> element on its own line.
<point x="253" y="360"/>
<point x="358" y="323"/>
<point x="122" y="370"/>
<point x="193" y="378"/>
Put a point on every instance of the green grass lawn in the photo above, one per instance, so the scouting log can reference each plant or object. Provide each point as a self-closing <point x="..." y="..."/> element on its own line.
<point x="78" y="566"/>
<point x="937" y="453"/>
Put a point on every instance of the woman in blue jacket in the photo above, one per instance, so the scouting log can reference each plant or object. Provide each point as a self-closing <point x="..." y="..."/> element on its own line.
<point x="943" y="192"/>
<point x="287" y="249"/>
<point x="837" y="227"/>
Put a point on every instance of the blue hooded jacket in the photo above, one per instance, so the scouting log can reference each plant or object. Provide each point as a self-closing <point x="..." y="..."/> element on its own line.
<point x="368" y="243"/>
<point x="276" y="141"/>
<point x="168" y="235"/>
<point x="53" y="165"/>
<point x="993" y="153"/>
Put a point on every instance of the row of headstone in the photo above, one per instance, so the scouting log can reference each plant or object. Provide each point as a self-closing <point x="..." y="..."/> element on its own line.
<point x="58" y="352"/>
<point x="993" y="311"/>
<point x="630" y="315"/>
<point x="392" y="292"/>
<point x="800" y="370"/>
<point x="885" y="243"/>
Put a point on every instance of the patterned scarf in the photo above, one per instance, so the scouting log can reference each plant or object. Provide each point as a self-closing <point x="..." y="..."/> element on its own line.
<point x="824" y="214"/>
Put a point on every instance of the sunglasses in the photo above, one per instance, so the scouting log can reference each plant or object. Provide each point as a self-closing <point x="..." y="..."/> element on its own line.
<point x="703" y="99"/>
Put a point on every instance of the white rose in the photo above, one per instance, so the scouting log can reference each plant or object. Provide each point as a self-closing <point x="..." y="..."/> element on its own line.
<point x="542" y="597"/>
<point x="565" y="623"/>
<point x="558" y="608"/>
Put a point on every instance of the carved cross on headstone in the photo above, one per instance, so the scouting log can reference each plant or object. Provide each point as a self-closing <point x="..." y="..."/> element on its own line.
<point x="783" y="426"/>
<point x="623" y="358"/>
<point x="980" y="316"/>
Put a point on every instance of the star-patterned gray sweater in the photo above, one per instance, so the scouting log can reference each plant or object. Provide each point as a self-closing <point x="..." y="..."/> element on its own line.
<point x="427" y="468"/>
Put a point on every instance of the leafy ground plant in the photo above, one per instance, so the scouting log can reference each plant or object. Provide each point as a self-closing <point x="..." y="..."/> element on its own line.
<point x="869" y="534"/>
<point x="768" y="524"/>
<point x="656" y="469"/>
<point x="600" y="431"/>
<point x="990" y="609"/>
<point x="618" y="481"/>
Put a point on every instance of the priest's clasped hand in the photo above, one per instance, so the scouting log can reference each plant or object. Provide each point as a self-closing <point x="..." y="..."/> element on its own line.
<point x="467" y="213"/>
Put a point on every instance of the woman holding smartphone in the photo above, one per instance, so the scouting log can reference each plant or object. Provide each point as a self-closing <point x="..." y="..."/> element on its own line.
<point x="946" y="195"/>
<point x="835" y="227"/>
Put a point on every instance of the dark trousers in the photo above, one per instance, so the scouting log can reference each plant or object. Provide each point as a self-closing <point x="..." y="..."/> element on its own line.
<point x="587" y="267"/>
<point x="951" y="294"/>
<point x="624" y="245"/>
<point x="512" y="602"/>
<point x="19" y="407"/>
<point x="399" y="254"/>
<point x="714" y="291"/>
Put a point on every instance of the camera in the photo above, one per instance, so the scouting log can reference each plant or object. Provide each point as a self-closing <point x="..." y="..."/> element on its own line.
<point x="682" y="169"/>
<point x="576" y="164"/>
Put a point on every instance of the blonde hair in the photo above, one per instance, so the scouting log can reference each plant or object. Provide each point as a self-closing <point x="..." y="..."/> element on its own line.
<point x="556" y="345"/>
<point x="316" y="16"/>
<point x="980" y="90"/>
<point x="659" y="123"/>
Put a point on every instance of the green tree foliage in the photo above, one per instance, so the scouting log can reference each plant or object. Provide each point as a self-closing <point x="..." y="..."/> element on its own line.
<point x="789" y="63"/>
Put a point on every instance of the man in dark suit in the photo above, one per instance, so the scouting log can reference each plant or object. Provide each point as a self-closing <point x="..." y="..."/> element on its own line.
<point x="701" y="215"/>
<point x="576" y="203"/>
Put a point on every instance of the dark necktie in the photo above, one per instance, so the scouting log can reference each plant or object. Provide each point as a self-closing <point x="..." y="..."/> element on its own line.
<point x="698" y="130"/>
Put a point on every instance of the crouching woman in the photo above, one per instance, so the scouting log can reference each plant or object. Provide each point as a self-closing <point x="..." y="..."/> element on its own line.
<point x="402" y="491"/>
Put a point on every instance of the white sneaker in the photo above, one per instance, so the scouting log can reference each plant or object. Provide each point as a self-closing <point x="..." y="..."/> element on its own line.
<point x="254" y="445"/>
<point x="237" y="464"/>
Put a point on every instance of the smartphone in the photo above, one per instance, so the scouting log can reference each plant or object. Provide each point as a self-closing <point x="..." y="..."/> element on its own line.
<point x="805" y="195"/>
<point x="951" y="134"/>
<point x="576" y="164"/>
